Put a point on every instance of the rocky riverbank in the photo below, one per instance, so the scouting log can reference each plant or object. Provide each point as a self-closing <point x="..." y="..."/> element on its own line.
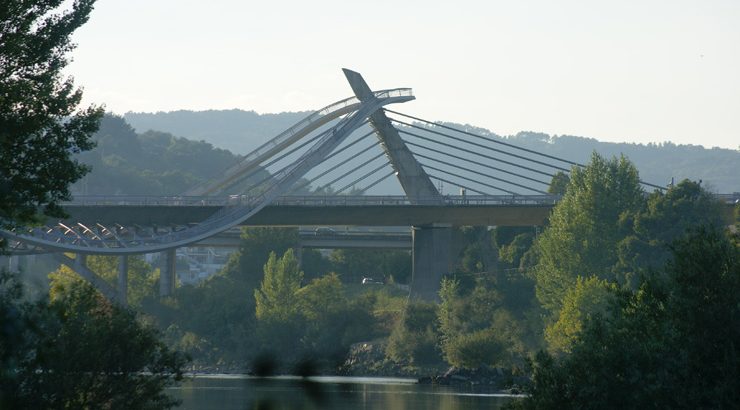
<point x="368" y="359"/>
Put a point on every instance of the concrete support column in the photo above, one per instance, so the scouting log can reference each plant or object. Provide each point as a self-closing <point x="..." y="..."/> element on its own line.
<point x="168" y="273"/>
<point x="123" y="279"/>
<point x="431" y="259"/>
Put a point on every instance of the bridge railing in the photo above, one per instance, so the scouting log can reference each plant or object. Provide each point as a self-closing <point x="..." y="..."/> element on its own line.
<point x="310" y="200"/>
<point x="329" y="200"/>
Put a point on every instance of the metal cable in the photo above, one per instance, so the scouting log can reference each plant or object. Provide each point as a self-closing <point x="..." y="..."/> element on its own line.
<point x="499" y="142"/>
<point x="476" y="153"/>
<point x="281" y="157"/>
<point x="458" y="184"/>
<point x="477" y="163"/>
<point x="270" y="176"/>
<point x="483" y="146"/>
<point x="362" y="177"/>
<point x="351" y="171"/>
<point x="383" y="178"/>
<point x="303" y="184"/>
<point x="481" y="174"/>
<point x="485" y="138"/>
<point x="468" y="179"/>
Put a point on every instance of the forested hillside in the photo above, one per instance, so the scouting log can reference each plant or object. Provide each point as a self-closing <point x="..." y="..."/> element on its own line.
<point x="235" y="130"/>
<point x="150" y="163"/>
<point x="242" y="131"/>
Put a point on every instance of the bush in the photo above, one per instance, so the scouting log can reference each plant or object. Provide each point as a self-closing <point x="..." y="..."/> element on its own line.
<point x="415" y="338"/>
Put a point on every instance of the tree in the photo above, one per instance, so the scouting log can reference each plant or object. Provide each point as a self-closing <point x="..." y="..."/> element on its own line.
<point x="673" y="343"/>
<point x="585" y="227"/>
<point x="475" y="328"/>
<point x="277" y="296"/>
<point x="415" y="338"/>
<point x="142" y="277"/>
<point x="665" y="218"/>
<point x="40" y="126"/>
<point x="254" y="249"/>
<point x="82" y="351"/>
<point x="559" y="184"/>
<point x="587" y="299"/>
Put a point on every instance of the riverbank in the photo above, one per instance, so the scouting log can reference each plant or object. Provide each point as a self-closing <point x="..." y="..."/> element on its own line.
<point x="367" y="360"/>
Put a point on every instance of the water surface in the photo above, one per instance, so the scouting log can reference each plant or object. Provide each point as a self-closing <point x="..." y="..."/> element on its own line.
<point x="229" y="392"/>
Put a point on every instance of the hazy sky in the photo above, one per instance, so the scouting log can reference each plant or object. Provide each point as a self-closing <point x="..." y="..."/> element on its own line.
<point x="628" y="70"/>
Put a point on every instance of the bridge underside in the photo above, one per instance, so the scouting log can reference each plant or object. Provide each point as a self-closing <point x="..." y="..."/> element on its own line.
<point x="400" y="215"/>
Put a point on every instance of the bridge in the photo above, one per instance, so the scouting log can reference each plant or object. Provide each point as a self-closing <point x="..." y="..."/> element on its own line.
<point x="317" y="172"/>
<point x="499" y="210"/>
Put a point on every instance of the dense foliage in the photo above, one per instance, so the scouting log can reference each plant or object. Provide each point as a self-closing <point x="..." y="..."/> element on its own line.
<point x="40" y="125"/>
<point x="584" y="228"/>
<point x="80" y="351"/>
<point x="673" y="343"/>
<point x="152" y="163"/>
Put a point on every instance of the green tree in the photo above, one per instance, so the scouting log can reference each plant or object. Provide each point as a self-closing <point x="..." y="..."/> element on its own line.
<point x="673" y="343"/>
<point x="559" y="184"/>
<point x="216" y="311"/>
<point x="332" y="322"/>
<point x="277" y="298"/>
<point x="415" y="338"/>
<point x="475" y="328"/>
<point x="585" y="227"/>
<point x="587" y="299"/>
<point x="142" y="277"/>
<point x="354" y="264"/>
<point x="666" y="217"/>
<point x="246" y="265"/>
<point x="84" y="352"/>
<point x="40" y="126"/>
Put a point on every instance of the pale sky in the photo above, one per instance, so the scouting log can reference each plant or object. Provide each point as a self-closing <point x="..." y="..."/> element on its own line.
<point x="628" y="70"/>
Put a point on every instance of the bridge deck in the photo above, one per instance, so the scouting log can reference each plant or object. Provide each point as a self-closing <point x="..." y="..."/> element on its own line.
<point x="503" y="210"/>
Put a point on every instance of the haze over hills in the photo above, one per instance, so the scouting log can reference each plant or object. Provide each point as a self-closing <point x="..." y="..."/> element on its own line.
<point x="241" y="131"/>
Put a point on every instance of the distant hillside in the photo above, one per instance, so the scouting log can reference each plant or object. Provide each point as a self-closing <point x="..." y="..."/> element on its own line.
<point x="235" y="130"/>
<point x="151" y="163"/>
<point x="242" y="131"/>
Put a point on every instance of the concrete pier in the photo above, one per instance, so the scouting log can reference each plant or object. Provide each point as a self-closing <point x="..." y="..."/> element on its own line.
<point x="123" y="280"/>
<point x="167" y="275"/>
<point x="431" y="259"/>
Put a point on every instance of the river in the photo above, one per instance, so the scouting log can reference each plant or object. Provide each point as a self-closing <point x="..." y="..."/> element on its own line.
<point x="227" y="392"/>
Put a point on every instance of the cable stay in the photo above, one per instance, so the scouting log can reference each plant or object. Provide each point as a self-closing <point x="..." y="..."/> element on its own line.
<point x="483" y="146"/>
<point x="270" y="176"/>
<point x="308" y="182"/>
<point x="497" y="142"/>
<point x="486" y="138"/>
<point x="477" y="163"/>
<point x="330" y="183"/>
<point x="376" y="182"/>
<point x="457" y="184"/>
<point x="361" y="178"/>
<point x="481" y="174"/>
<point x="469" y="179"/>
<point x="477" y="153"/>
<point x="265" y="166"/>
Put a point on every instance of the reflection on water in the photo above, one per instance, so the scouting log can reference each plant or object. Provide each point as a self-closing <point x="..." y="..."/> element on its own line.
<point x="239" y="392"/>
